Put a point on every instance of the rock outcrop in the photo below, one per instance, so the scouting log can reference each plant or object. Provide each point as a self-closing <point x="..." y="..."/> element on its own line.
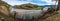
<point x="4" y="8"/>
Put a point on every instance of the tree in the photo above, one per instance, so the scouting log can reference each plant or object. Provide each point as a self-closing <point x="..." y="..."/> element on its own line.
<point x="58" y="7"/>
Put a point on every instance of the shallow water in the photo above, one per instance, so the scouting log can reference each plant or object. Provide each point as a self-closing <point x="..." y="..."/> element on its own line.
<point x="28" y="14"/>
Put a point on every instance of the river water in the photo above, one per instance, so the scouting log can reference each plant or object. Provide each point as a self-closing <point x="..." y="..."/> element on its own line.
<point x="27" y="14"/>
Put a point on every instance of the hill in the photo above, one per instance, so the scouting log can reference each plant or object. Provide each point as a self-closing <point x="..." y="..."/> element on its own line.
<point x="27" y="6"/>
<point x="4" y="7"/>
<point x="48" y="6"/>
<point x="30" y="6"/>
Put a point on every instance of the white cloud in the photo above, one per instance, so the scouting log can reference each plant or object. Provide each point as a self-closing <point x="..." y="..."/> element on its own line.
<point x="50" y="2"/>
<point x="29" y="0"/>
<point x="15" y="2"/>
<point x="9" y="0"/>
<point x="46" y="0"/>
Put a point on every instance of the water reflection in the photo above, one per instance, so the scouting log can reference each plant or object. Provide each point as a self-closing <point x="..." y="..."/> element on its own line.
<point x="28" y="14"/>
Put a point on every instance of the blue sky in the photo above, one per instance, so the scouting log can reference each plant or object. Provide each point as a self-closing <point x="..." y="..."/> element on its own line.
<point x="38" y="2"/>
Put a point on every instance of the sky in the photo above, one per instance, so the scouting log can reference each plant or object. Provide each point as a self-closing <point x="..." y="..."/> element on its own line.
<point x="37" y="2"/>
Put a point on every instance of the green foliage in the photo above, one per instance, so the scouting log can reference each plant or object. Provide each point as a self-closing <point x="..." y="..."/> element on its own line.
<point x="38" y="8"/>
<point x="28" y="6"/>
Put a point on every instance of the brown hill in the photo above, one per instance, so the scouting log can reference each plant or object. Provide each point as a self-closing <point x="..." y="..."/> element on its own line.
<point x="4" y="8"/>
<point x="27" y="6"/>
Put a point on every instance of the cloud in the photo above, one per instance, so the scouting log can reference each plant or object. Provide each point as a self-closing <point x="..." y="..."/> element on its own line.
<point x="25" y="0"/>
<point x="29" y="0"/>
<point x="15" y="2"/>
<point x="38" y="2"/>
<point x="9" y="0"/>
<point x="50" y="2"/>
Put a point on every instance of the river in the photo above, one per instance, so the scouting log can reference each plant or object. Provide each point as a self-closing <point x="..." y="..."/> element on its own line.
<point x="27" y="14"/>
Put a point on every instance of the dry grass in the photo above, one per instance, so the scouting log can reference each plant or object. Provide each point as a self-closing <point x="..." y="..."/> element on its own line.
<point x="54" y="18"/>
<point x="6" y="18"/>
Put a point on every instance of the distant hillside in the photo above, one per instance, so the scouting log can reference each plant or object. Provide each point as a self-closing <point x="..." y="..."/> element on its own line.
<point x="28" y="6"/>
<point x="48" y="6"/>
